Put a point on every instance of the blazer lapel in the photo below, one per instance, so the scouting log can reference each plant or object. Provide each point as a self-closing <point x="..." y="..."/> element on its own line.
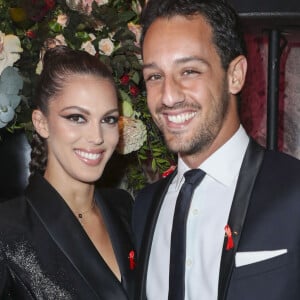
<point x="157" y="200"/>
<point x="249" y="170"/>
<point x="109" y="200"/>
<point x="69" y="236"/>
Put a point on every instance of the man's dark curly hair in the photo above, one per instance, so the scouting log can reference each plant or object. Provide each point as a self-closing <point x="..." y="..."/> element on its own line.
<point x="222" y="18"/>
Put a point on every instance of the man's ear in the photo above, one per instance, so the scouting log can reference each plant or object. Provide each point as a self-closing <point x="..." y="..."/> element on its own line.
<point x="237" y="74"/>
<point x="40" y="123"/>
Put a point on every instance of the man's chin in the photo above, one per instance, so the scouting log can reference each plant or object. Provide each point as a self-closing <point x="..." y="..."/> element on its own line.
<point x="175" y="145"/>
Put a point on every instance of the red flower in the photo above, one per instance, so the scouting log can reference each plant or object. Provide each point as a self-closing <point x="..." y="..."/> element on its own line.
<point x="31" y="34"/>
<point x="50" y="3"/>
<point x="124" y="79"/>
<point x="38" y="9"/>
<point x="134" y="90"/>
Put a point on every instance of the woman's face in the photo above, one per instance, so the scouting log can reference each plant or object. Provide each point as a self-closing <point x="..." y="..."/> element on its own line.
<point x="81" y="129"/>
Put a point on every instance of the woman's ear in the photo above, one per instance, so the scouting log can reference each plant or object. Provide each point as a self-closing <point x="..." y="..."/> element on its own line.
<point x="40" y="123"/>
<point x="237" y="74"/>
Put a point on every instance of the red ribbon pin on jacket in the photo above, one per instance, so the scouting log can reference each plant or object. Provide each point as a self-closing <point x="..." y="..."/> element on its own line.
<point x="228" y="232"/>
<point x="131" y="260"/>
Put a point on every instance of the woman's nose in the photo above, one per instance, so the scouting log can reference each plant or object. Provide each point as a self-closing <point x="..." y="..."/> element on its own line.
<point x="95" y="135"/>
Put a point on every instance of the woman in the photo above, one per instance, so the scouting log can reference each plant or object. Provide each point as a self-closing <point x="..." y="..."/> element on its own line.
<point x="63" y="239"/>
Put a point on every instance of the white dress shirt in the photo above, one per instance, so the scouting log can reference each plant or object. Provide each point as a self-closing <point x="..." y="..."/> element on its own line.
<point x="207" y="218"/>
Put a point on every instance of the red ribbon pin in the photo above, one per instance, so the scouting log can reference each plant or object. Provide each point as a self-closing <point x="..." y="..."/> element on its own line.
<point x="131" y="260"/>
<point x="228" y="232"/>
<point x="169" y="171"/>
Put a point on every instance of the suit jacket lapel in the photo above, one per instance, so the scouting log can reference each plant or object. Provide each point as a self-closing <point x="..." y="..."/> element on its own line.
<point x="249" y="170"/>
<point x="69" y="236"/>
<point x="153" y="213"/>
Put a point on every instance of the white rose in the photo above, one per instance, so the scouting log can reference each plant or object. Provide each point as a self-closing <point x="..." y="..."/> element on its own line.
<point x="10" y="47"/>
<point x="62" y="20"/>
<point x="92" y="36"/>
<point x="101" y="2"/>
<point x="60" y="40"/>
<point x="106" y="46"/>
<point x="88" y="47"/>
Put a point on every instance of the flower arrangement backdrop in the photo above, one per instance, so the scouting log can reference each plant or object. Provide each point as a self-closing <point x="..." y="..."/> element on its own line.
<point x="109" y="30"/>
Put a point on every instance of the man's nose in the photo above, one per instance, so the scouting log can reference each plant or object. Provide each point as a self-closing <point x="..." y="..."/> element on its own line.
<point x="172" y="92"/>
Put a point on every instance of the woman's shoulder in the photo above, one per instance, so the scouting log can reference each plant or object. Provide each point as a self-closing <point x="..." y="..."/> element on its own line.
<point x="11" y="208"/>
<point x="13" y="219"/>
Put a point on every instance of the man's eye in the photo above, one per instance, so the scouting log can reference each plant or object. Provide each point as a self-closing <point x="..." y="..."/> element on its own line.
<point x="76" y="118"/>
<point x="153" y="77"/>
<point x="190" y="71"/>
<point x="110" y="120"/>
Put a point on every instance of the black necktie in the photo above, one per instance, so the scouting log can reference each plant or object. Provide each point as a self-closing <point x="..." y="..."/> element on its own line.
<point x="178" y="236"/>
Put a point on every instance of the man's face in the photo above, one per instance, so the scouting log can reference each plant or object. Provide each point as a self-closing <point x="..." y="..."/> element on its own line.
<point x="187" y="88"/>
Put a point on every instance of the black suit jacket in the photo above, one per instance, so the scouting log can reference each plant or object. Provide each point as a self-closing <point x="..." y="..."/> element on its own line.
<point x="265" y="214"/>
<point x="46" y="254"/>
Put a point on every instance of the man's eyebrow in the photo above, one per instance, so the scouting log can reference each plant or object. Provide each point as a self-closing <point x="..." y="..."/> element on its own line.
<point x="149" y="66"/>
<point x="177" y="62"/>
<point x="189" y="59"/>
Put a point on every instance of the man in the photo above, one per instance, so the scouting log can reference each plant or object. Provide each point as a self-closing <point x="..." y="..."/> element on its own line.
<point x="243" y="227"/>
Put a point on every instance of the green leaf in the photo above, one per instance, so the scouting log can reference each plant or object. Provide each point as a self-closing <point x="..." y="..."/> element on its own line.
<point x="55" y="27"/>
<point x="127" y="109"/>
<point x="124" y="34"/>
<point x="124" y="96"/>
<point x="153" y="165"/>
<point x="143" y="157"/>
<point x="83" y="35"/>
<point x="135" y="77"/>
<point x="126" y="16"/>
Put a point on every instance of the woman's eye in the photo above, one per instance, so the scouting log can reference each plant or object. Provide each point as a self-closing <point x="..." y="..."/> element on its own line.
<point x="110" y="120"/>
<point x="76" y="118"/>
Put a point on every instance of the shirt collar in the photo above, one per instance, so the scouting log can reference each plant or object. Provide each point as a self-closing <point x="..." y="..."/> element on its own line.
<point x="224" y="164"/>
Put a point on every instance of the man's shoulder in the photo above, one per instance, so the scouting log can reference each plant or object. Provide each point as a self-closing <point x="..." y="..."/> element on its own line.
<point x="277" y="159"/>
<point x="150" y="187"/>
<point x="152" y="191"/>
<point x="278" y="167"/>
